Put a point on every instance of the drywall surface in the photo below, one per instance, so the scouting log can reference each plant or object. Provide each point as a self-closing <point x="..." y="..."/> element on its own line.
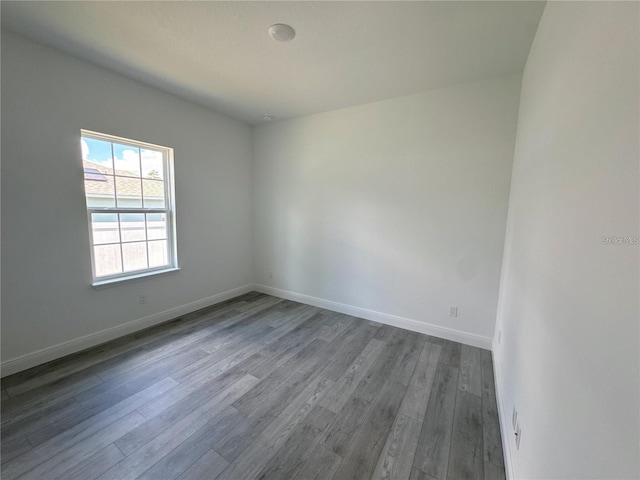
<point x="396" y="207"/>
<point x="568" y="308"/>
<point x="47" y="97"/>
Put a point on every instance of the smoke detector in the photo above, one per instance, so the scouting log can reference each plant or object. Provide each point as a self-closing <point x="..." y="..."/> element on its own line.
<point x="281" y="32"/>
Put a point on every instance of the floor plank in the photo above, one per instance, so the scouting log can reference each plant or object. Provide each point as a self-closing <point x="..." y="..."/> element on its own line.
<point x="92" y="467"/>
<point x="451" y="353"/>
<point x="63" y="461"/>
<point x="115" y="352"/>
<point x="288" y="376"/>
<point x="361" y="459"/>
<point x="419" y="475"/>
<point x="209" y="465"/>
<point x="271" y="403"/>
<point x="14" y="447"/>
<point x="219" y="393"/>
<point x="333" y="324"/>
<point x="349" y="352"/>
<point x="343" y="429"/>
<point x="232" y="355"/>
<point x="296" y="450"/>
<point x="432" y="454"/>
<point x="191" y="390"/>
<point x="178" y="460"/>
<point x="321" y="464"/>
<point x="407" y="359"/>
<point x="335" y="399"/>
<point x="466" y="457"/>
<point x="255" y="457"/>
<point x="83" y="431"/>
<point x="415" y="400"/>
<point x="470" y="379"/>
<point x="257" y="387"/>
<point x="280" y="351"/>
<point x="493" y="472"/>
<point x="144" y="457"/>
<point x="397" y="455"/>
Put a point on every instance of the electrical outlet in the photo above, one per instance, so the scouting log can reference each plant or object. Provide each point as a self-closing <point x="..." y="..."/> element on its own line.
<point x="514" y="419"/>
<point x="518" y="434"/>
<point x="453" y="311"/>
<point x="142" y="299"/>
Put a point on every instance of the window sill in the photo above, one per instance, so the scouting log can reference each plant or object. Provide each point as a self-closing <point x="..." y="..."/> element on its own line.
<point x="114" y="282"/>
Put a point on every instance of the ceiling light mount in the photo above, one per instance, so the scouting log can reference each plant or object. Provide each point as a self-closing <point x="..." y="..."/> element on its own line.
<point x="267" y="118"/>
<point x="281" y="32"/>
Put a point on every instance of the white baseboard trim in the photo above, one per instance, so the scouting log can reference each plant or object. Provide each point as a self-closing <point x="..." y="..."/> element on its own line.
<point x="23" y="362"/>
<point x="393" y="320"/>
<point x="503" y="416"/>
<point x="44" y="355"/>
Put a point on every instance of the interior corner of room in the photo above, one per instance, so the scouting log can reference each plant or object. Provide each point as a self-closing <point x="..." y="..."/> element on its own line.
<point x="499" y="210"/>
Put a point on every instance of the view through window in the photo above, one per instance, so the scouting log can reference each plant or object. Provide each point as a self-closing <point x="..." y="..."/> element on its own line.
<point x="129" y="193"/>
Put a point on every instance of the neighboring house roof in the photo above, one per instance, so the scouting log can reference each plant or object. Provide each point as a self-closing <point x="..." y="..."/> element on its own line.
<point x="99" y="180"/>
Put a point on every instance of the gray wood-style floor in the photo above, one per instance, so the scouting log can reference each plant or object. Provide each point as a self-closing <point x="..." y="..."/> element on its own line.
<point x="257" y="387"/>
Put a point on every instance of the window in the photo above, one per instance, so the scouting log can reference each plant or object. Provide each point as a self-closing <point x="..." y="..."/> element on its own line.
<point x="129" y="191"/>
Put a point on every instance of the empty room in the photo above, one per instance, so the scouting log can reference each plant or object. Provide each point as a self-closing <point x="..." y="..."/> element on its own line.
<point x="320" y="240"/>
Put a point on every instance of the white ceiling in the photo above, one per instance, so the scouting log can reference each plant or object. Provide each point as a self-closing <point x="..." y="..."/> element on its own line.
<point x="219" y="54"/>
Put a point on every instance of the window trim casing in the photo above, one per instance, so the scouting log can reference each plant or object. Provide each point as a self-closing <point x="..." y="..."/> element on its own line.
<point x="169" y="210"/>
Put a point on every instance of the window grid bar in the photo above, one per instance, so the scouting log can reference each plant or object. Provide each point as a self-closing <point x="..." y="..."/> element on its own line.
<point x="124" y="176"/>
<point x="120" y="232"/>
<point x="142" y="193"/>
<point x="130" y="241"/>
<point x="115" y="187"/>
<point x="126" y="210"/>
<point x="140" y="169"/>
<point x="144" y="201"/>
<point x="146" y="232"/>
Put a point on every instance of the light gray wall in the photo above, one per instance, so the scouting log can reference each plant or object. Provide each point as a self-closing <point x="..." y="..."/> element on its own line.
<point x="47" y="97"/>
<point x="568" y="310"/>
<point x="396" y="206"/>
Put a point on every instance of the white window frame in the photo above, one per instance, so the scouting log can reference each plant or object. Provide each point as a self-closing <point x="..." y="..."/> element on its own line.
<point x="168" y="210"/>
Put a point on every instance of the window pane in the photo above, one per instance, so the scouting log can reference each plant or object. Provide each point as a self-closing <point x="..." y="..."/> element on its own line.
<point x="107" y="260"/>
<point x="129" y="192"/>
<point x="129" y="205"/>
<point x="158" y="253"/>
<point x="153" y="191"/>
<point x="99" y="193"/>
<point x="156" y="226"/>
<point x="134" y="256"/>
<point x="126" y="160"/>
<point x="97" y="152"/>
<point x="132" y="227"/>
<point x="152" y="164"/>
<point x="105" y="228"/>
